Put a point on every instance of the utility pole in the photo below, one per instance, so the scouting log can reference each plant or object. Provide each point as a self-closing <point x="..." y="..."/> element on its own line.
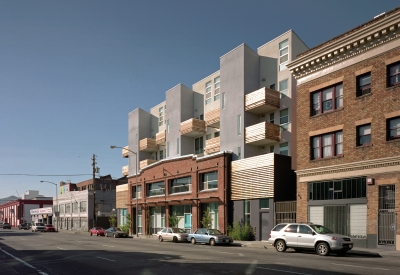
<point x="94" y="188"/>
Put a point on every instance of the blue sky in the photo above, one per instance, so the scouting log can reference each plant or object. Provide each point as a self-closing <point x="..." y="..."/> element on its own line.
<point x="71" y="71"/>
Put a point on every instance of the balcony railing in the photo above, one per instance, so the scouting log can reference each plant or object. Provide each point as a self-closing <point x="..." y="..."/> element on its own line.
<point x="160" y="138"/>
<point x="262" y="133"/>
<point x="125" y="170"/>
<point x="156" y="192"/>
<point x="213" y="118"/>
<point x="212" y="145"/>
<point x="146" y="162"/>
<point x="125" y="152"/>
<point x="180" y="189"/>
<point x="262" y="101"/>
<point x="148" y="145"/>
<point x="193" y="128"/>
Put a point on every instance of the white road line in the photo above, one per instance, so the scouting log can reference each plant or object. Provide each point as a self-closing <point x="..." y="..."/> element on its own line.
<point x="285" y="271"/>
<point x="226" y="252"/>
<point x="62" y="248"/>
<point x="106" y="259"/>
<point x="362" y="266"/>
<point x="25" y="263"/>
<point x="108" y="245"/>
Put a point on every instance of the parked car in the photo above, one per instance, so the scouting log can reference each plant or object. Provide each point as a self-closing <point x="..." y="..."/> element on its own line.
<point x="115" y="232"/>
<point x="23" y="226"/>
<point x="172" y="234"/>
<point x="98" y="231"/>
<point x="309" y="236"/>
<point x="50" y="228"/>
<point x="6" y="225"/>
<point x="38" y="226"/>
<point x="210" y="236"/>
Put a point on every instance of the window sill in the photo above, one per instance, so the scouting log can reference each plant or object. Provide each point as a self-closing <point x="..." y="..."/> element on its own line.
<point x="364" y="146"/>
<point x="327" y="113"/>
<point x="180" y="193"/>
<point x="393" y="140"/>
<point x="208" y="190"/>
<point x="392" y="87"/>
<point x="328" y="158"/>
<point x="363" y="96"/>
<point x="156" y="196"/>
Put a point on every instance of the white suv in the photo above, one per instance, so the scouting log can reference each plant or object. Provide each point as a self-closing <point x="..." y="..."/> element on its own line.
<point x="38" y="226"/>
<point x="308" y="236"/>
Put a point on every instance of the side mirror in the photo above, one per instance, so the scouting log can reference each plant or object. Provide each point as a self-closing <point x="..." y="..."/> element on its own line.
<point x="313" y="233"/>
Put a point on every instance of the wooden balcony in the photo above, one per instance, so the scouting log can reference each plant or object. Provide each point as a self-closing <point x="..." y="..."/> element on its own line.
<point x="213" y="118"/>
<point x="146" y="162"/>
<point x="262" y="133"/>
<point x="160" y="138"/>
<point x="193" y="128"/>
<point x="262" y="101"/>
<point x="212" y="145"/>
<point x="125" y="152"/>
<point x="148" y="145"/>
<point x="125" y="170"/>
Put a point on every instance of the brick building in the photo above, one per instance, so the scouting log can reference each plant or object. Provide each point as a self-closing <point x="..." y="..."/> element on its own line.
<point x="348" y="145"/>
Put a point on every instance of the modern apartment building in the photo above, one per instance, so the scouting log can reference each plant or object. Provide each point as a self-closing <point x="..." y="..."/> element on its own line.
<point x="348" y="150"/>
<point x="242" y="113"/>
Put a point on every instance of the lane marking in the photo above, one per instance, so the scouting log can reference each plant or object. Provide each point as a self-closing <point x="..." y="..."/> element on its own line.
<point x="62" y="248"/>
<point x="108" y="245"/>
<point x="285" y="271"/>
<point x="106" y="259"/>
<point x="25" y="263"/>
<point x="362" y="266"/>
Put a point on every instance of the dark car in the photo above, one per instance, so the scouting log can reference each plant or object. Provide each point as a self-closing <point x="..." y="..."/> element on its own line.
<point x="115" y="232"/>
<point x="6" y="225"/>
<point x="23" y="226"/>
<point x="50" y="228"/>
<point x="98" y="231"/>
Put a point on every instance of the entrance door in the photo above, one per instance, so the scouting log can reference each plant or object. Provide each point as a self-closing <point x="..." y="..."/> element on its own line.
<point x="188" y="222"/>
<point x="386" y="215"/>
<point x="265" y="226"/>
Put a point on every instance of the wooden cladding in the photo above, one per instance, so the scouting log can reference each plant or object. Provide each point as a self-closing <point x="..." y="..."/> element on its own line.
<point x="213" y="118"/>
<point x="125" y="152"/>
<point x="193" y="127"/>
<point x="146" y="162"/>
<point x="125" y="170"/>
<point x="160" y="138"/>
<point x="253" y="178"/>
<point x="262" y="101"/>
<point x="148" y="145"/>
<point x="262" y="133"/>
<point x="212" y="145"/>
<point x="122" y="196"/>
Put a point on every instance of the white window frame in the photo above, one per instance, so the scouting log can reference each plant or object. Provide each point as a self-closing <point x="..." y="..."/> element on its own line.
<point x="217" y="84"/>
<point x="161" y="116"/>
<point x="208" y="92"/>
<point x="283" y="51"/>
<point x="282" y="90"/>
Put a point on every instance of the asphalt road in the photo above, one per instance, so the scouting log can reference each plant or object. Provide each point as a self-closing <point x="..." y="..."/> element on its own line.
<point x="24" y="252"/>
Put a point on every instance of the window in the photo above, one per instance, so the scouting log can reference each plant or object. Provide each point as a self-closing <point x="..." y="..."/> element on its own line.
<point x="283" y="54"/>
<point x="291" y="228"/>
<point x="209" y="181"/>
<point x="216" y="134"/>
<point x="137" y="192"/>
<point x="62" y="208"/>
<point x="161" y="154"/>
<point x="364" y="84"/>
<point x="83" y="206"/>
<point x="208" y="136"/>
<point x="156" y="189"/>
<point x="239" y="125"/>
<point x="198" y="145"/>
<point x="208" y="92"/>
<point x="200" y="117"/>
<point x="168" y="126"/>
<point x="177" y="145"/>
<point x="283" y="88"/>
<point x="180" y="185"/>
<point x="272" y="149"/>
<point x="337" y="189"/>
<point x="304" y="229"/>
<point x="247" y="211"/>
<point x="393" y="74"/>
<point x="284" y="119"/>
<point x="90" y="186"/>
<point x="264" y="203"/>
<point x="239" y="152"/>
<point x="272" y="87"/>
<point x="216" y="88"/>
<point x="284" y="149"/>
<point x="156" y="155"/>
<point x="364" y="135"/>
<point x="223" y="101"/>
<point x="67" y="208"/>
<point x="327" y="99"/>
<point x="271" y="117"/>
<point x="161" y="116"/>
<point x="393" y="128"/>
<point x="327" y="145"/>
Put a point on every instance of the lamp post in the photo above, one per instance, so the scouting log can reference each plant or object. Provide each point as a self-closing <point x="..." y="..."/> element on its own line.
<point x="55" y="212"/>
<point x="136" y="195"/>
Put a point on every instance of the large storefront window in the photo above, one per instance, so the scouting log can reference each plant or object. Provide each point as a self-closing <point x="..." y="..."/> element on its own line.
<point x="337" y="189"/>
<point x="157" y="219"/>
<point x="184" y="213"/>
<point x="213" y="213"/>
<point x="122" y="216"/>
<point x="139" y="221"/>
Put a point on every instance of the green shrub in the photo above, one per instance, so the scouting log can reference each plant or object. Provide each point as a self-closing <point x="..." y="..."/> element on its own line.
<point x="124" y="228"/>
<point x="240" y="231"/>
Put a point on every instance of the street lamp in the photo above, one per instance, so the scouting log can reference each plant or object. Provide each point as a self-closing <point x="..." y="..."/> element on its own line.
<point x="55" y="212"/>
<point x="136" y="195"/>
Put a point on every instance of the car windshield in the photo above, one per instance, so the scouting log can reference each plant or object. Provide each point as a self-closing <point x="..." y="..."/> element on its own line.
<point x="178" y="230"/>
<point x="214" y="232"/>
<point x="320" y="229"/>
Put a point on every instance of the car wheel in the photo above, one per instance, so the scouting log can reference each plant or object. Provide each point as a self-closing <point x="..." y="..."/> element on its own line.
<point x="175" y="239"/>
<point x="280" y="246"/>
<point x="323" y="249"/>
<point x="212" y="242"/>
<point x="90" y="234"/>
<point x="193" y="241"/>
<point x="160" y="239"/>
<point x="115" y="235"/>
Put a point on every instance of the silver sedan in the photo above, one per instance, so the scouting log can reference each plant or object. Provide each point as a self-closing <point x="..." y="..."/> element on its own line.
<point x="172" y="234"/>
